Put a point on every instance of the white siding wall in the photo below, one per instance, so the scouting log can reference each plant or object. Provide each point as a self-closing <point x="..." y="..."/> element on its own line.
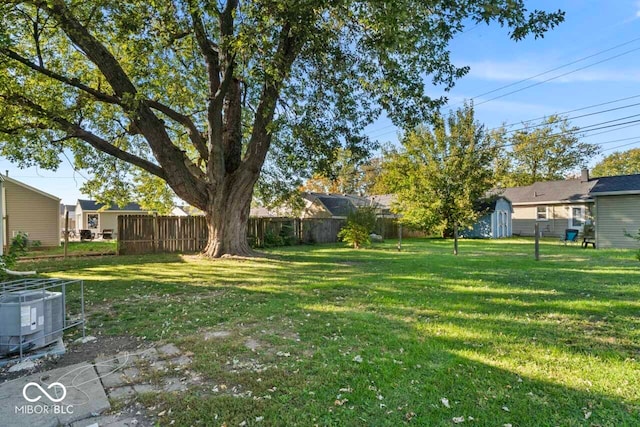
<point x="614" y="214"/>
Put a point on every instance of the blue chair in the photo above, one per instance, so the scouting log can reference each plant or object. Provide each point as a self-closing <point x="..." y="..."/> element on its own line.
<point x="570" y="235"/>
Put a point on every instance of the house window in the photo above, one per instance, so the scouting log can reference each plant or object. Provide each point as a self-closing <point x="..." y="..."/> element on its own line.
<point x="542" y="213"/>
<point x="577" y="217"/>
<point x="92" y="220"/>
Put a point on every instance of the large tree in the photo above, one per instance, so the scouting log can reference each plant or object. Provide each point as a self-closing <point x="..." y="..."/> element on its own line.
<point x="198" y="92"/>
<point x="545" y="152"/>
<point x="619" y="163"/>
<point x="440" y="174"/>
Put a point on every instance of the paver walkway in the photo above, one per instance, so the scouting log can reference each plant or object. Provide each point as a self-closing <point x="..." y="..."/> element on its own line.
<point x="80" y="395"/>
<point x="120" y="377"/>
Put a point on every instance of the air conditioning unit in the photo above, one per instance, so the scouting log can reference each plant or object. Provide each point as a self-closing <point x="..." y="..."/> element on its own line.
<point x="30" y="319"/>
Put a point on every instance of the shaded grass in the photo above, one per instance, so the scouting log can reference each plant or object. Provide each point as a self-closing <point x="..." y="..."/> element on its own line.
<point x="553" y="341"/>
<point x="75" y="248"/>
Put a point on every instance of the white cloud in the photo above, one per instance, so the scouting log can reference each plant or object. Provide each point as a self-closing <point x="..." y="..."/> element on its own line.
<point x="513" y="71"/>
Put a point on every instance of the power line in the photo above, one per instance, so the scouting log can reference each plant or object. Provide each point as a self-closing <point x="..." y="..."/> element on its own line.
<point x="612" y="130"/>
<point x="564" y="66"/>
<point x="580" y="116"/>
<point x="620" y="146"/>
<point x="552" y="78"/>
<point x="575" y="110"/>
<point x="556" y="77"/>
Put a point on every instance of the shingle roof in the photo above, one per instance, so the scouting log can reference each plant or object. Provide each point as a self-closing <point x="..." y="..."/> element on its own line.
<point x="383" y="201"/>
<point x="616" y="183"/>
<point x="337" y="204"/>
<point x="570" y="190"/>
<point x="92" y="205"/>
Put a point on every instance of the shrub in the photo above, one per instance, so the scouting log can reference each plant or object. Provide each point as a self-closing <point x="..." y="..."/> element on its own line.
<point x="19" y="244"/>
<point x="359" y="225"/>
<point x="17" y="248"/>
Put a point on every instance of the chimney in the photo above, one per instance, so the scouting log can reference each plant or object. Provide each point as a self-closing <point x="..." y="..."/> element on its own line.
<point x="6" y="172"/>
<point x="584" y="175"/>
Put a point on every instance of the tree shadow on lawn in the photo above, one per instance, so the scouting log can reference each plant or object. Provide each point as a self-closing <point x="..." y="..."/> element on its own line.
<point x="568" y="312"/>
<point x="403" y="376"/>
<point x="379" y="302"/>
<point x="474" y="388"/>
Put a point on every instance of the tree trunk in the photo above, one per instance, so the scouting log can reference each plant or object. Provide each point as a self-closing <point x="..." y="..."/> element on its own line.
<point x="227" y="219"/>
<point x="455" y="239"/>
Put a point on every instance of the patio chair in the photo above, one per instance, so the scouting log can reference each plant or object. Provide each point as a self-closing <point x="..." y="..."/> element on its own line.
<point x="86" y="235"/>
<point x="589" y="236"/>
<point x="570" y="235"/>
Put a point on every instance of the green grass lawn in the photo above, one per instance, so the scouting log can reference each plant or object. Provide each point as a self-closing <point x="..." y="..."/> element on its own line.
<point x="377" y="337"/>
<point x="75" y="249"/>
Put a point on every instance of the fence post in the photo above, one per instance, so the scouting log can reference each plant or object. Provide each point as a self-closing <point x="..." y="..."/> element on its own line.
<point x="537" y="241"/>
<point x="66" y="232"/>
<point x="399" y="237"/>
<point x="120" y="219"/>
<point x="156" y="230"/>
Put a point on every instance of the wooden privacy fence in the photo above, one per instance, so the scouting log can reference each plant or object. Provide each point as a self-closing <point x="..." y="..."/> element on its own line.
<point x="294" y="230"/>
<point x="141" y="234"/>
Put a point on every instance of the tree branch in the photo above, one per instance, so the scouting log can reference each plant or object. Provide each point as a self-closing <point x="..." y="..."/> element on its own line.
<point x="182" y="175"/>
<point x="74" y="130"/>
<point x="194" y="133"/>
<point x="101" y="96"/>
<point x="287" y="51"/>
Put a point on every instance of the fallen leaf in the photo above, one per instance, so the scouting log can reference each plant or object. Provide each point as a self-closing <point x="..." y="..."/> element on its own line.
<point x="458" y="420"/>
<point x="504" y="408"/>
<point x="445" y="402"/>
<point x="358" y="359"/>
<point x="587" y="415"/>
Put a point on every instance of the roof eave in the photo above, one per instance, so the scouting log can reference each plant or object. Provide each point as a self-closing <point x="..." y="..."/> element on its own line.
<point x="553" y="202"/>
<point x="615" y="193"/>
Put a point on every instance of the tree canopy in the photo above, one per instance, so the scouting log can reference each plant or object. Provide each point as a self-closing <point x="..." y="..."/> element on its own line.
<point x="545" y="152"/>
<point x="201" y="94"/>
<point x="619" y="163"/>
<point x="441" y="173"/>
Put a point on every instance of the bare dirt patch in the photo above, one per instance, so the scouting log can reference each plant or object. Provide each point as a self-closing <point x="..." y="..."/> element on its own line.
<point x="78" y="352"/>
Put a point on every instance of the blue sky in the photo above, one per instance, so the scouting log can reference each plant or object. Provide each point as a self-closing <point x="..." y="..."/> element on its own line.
<point x="590" y="27"/>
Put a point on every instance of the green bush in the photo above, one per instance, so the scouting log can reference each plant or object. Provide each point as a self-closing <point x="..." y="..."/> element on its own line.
<point x="17" y="248"/>
<point x="360" y="223"/>
<point x="283" y="238"/>
<point x="19" y="244"/>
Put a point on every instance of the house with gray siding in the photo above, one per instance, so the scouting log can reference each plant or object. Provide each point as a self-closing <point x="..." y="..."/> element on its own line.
<point x="610" y="203"/>
<point x="617" y="210"/>
<point x="553" y="205"/>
